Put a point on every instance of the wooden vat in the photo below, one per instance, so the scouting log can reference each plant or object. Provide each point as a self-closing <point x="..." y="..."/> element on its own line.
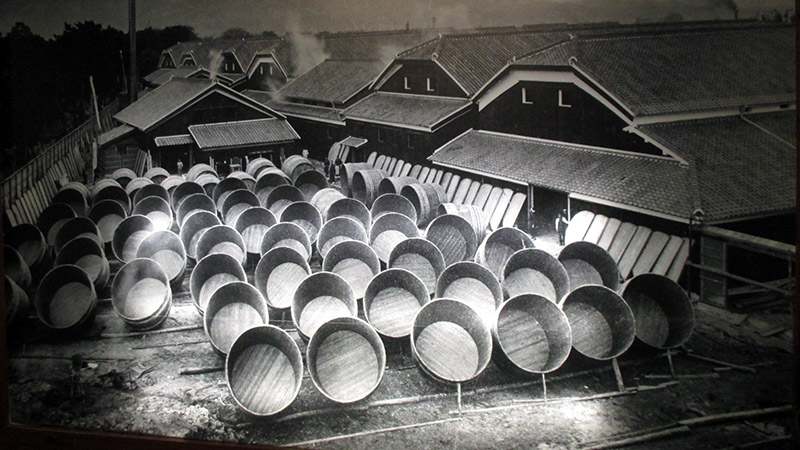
<point x="221" y="239"/>
<point x="172" y="182"/>
<point x="319" y="298"/>
<point x="199" y="169"/>
<point x="286" y="234"/>
<point x="128" y="235"/>
<point x="324" y="198"/>
<point x="193" y="203"/>
<point x="253" y="224"/>
<point x="100" y="185"/>
<point x="115" y="193"/>
<point x="588" y="263"/>
<point x="87" y="254"/>
<point x="389" y="230"/>
<point x="29" y="241"/>
<point x="603" y="325"/>
<point x="473" y="285"/>
<point x="157" y="210"/>
<point x="135" y="184"/>
<point x="278" y="274"/>
<point x="208" y="182"/>
<point x="426" y="199"/>
<point x="193" y="228"/>
<point x="73" y="198"/>
<point x="210" y="274"/>
<point x="472" y="214"/>
<point x="420" y="257"/>
<point x="534" y="271"/>
<point x="77" y="227"/>
<point x="387" y="203"/>
<point x="183" y="191"/>
<point x="107" y="215"/>
<point x="454" y="236"/>
<point x="15" y="268"/>
<point x="165" y="248"/>
<point x="354" y="261"/>
<point x="52" y="218"/>
<point x="17" y="304"/>
<point x="257" y="165"/>
<point x="392" y="300"/>
<point x="157" y="174"/>
<point x="310" y="182"/>
<point x="150" y="190"/>
<point x="347" y="172"/>
<point x="233" y="309"/>
<point x="247" y="179"/>
<point x="268" y="180"/>
<point x="294" y="165"/>
<point x="350" y="208"/>
<point x="237" y="202"/>
<point x="306" y="216"/>
<point x="337" y="230"/>
<point x="66" y="299"/>
<point x="224" y="189"/>
<point x="663" y="312"/>
<point x="123" y="176"/>
<point x="393" y="185"/>
<point x="281" y="197"/>
<point x="497" y="247"/>
<point x="364" y="185"/>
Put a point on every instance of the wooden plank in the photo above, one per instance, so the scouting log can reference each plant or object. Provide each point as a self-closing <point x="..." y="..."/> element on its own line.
<point x="398" y="168"/>
<point x="390" y="163"/>
<point x="635" y="247"/>
<point x="12" y="218"/>
<point x="472" y="193"/>
<point x="445" y="180"/>
<point x="423" y="173"/>
<point x="650" y="253"/>
<point x="676" y="268"/>
<point x="608" y="233"/>
<point x="461" y="191"/>
<point x="380" y="161"/>
<point x="578" y="226"/>
<point x="33" y="203"/>
<point x="491" y="202"/>
<point x="596" y="228"/>
<point x="438" y="178"/>
<point x="452" y="186"/>
<point x="500" y="210"/>
<point x="371" y="158"/>
<point x="17" y="213"/>
<point x="750" y="242"/>
<point x="431" y="175"/>
<point x="518" y="200"/>
<point x="667" y="255"/>
<point x="621" y="240"/>
<point x="406" y="169"/>
<point x="30" y="217"/>
<point x="414" y="172"/>
<point x="482" y="195"/>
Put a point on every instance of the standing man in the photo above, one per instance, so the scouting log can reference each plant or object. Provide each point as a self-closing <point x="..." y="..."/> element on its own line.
<point x="561" y="225"/>
<point x="180" y="167"/>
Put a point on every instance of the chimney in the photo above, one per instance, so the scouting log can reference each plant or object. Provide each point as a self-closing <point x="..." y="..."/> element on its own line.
<point x="134" y="85"/>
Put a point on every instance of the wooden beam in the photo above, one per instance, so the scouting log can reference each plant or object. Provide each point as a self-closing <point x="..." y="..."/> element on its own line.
<point x="750" y="242"/>
<point x="716" y="271"/>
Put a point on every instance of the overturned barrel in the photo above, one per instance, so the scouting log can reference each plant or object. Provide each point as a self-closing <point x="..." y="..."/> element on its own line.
<point x="123" y="176"/>
<point x="253" y="223"/>
<point x="426" y="199"/>
<point x="221" y="239"/>
<point x="346" y="359"/>
<point x="420" y="257"/>
<point x="235" y="203"/>
<point x="450" y="341"/>
<point x="531" y="335"/>
<point x="171" y="183"/>
<point x="100" y="185"/>
<point x="183" y="191"/>
<point x="87" y="254"/>
<point x="281" y="197"/>
<point x="114" y="193"/>
<point x="497" y="247"/>
<point x="603" y="325"/>
<point x="193" y="203"/>
<point x="278" y="274"/>
<point x="337" y="230"/>
<point x="210" y="274"/>
<point x="257" y="165"/>
<point x="208" y="181"/>
<point x="107" y="215"/>
<point x="165" y="248"/>
<point x="52" y="218"/>
<point x="199" y="169"/>
<point x="268" y="180"/>
<point x="354" y="261"/>
<point x="77" y="227"/>
<point x="304" y="215"/>
<point x="74" y="198"/>
<point x="264" y="370"/>
<point x="534" y="271"/>
<point x="396" y="203"/>
<point x="454" y="236"/>
<point x="249" y="181"/>
<point x="319" y="298"/>
<point x="286" y="234"/>
<point x="392" y="300"/>
<point x="347" y="172"/>
<point x="140" y="294"/>
<point x="66" y="299"/>
<point x="128" y="235"/>
<point x="310" y="182"/>
<point x="135" y="185"/>
<point x="351" y="208"/>
<point x="157" y="174"/>
<point x="663" y="312"/>
<point x="29" y="241"/>
<point x="233" y="309"/>
<point x="78" y="186"/>
<point x="15" y="268"/>
<point x="17" y="303"/>
<point x="157" y="210"/>
<point x="389" y="230"/>
<point x="225" y="188"/>
<point x="364" y="185"/>
<point x="473" y="285"/>
<point x="294" y="165"/>
<point x="393" y="185"/>
<point x="193" y="228"/>
<point x="588" y="263"/>
<point x="151" y="190"/>
<point x="471" y="213"/>
<point x="324" y="198"/>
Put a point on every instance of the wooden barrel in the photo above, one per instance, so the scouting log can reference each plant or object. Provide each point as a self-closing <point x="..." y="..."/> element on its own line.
<point x="294" y="165"/>
<point x="531" y="335"/>
<point x="29" y="241"/>
<point x="123" y="176"/>
<point x="389" y="230"/>
<point x="324" y="198"/>
<point x="183" y="191"/>
<point x="100" y="185"/>
<point x="128" y="235"/>
<point x="337" y="230"/>
<point x="264" y="370"/>
<point x="393" y="185"/>
<point x="107" y="215"/>
<point x="222" y="239"/>
<point x="210" y="274"/>
<point x="236" y="203"/>
<point x="249" y="181"/>
<point x="350" y="208"/>
<point x="157" y="210"/>
<point x="346" y="359"/>
<point x="77" y="227"/>
<point x="310" y="182"/>
<point x="306" y="216"/>
<point x="225" y="188"/>
<point x="135" y="184"/>
<point x="426" y="199"/>
<point x="281" y="197"/>
<point x="286" y="234"/>
<point x="278" y="274"/>
<point x="588" y="263"/>
<point x="87" y="254"/>
<point x="140" y="294"/>
<point x="348" y="170"/>
<point x="233" y="309"/>
<point x="454" y="236"/>
<point x="450" y="341"/>
<point x="364" y="185"/>
<point x="151" y="190"/>
<point x="78" y="186"/>
<point x="255" y="166"/>
<point x="199" y="169"/>
<point x="172" y="182"/>
<point x="497" y="247"/>
<point x="387" y="203"/>
<point x="603" y="326"/>
<point x="208" y="181"/>
<point x="193" y="203"/>
<point x="472" y="214"/>
<point x="193" y="228"/>
<point x="15" y="268"/>
<point x="321" y="297"/>
<point x="74" y="198"/>
<point x="115" y="193"/>
<point x="663" y="312"/>
<point x="474" y="285"/>
<point x="354" y="261"/>
<point x="17" y="304"/>
<point x="268" y="180"/>
<point x="392" y="300"/>
<point x="52" y="218"/>
<point x="253" y="224"/>
<point x="165" y="248"/>
<point x="420" y="257"/>
<point x="66" y="299"/>
<point x="157" y="174"/>
<point x="534" y="271"/>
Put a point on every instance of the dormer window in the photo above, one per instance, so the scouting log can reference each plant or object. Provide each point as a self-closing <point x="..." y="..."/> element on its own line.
<point x="226" y="67"/>
<point x="430" y="85"/>
<point x="405" y="84"/>
<point x="270" y="69"/>
<point x="561" y="100"/>
<point x="261" y="70"/>
<point x="525" y="100"/>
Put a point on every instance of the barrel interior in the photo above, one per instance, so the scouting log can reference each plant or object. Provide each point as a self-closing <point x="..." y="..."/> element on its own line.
<point x="116" y="194"/>
<point x="351" y="208"/>
<point x="354" y="261"/>
<point x="221" y="239"/>
<point x="663" y="312"/>
<point x="338" y="230"/>
<point x="253" y="223"/>
<point x="237" y="203"/>
<point x="165" y="248"/>
<point x="534" y="271"/>
<point x="74" y="199"/>
<point x="392" y="300"/>
<point x="306" y="216"/>
<point x="278" y="274"/>
<point x="393" y="203"/>
<point x="233" y="309"/>
<point x="286" y="234"/>
<point x="77" y="227"/>
<point x="310" y="182"/>
<point x="420" y="257"/>
<point x="454" y="236"/>
<point x="157" y="210"/>
<point x="498" y="247"/>
<point x="226" y="185"/>
<point x="281" y="197"/>
<point x="15" y="267"/>
<point x="129" y="235"/>
<point x="65" y="298"/>
<point x="107" y="214"/>
<point x="87" y="254"/>
<point x="588" y="263"/>
<point x="52" y="219"/>
<point x="194" y="227"/>
<point x="388" y="231"/>
<point x="151" y="190"/>
<point x="321" y="297"/>
<point x="29" y="242"/>
<point x="474" y="285"/>
<point x="140" y="293"/>
<point x="211" y="273"/>
<point x="193" y="203"/>
<point x="602" y="323"/>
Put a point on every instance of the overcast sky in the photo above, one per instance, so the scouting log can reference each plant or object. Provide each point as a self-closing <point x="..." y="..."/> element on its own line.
<point x="212" y="17"/>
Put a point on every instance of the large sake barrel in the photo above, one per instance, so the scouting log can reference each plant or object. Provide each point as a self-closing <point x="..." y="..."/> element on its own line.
<point x="233" y="309"/>
<point x="337" y="230"/>
<point x="348" y="170"/>
<point x="319" y="298"/>
<point x="264" y="370"/>
<point x="473" y="285"/>
<point x="157" y="174"/>
<point x="66" y="299"/>
<point x="306" y="216"/>
<point x="393" y="185"/>
<point x="310" y="182"/>
<point x="531" y="335"/>
<point x="225" y="188"/>
<point x="663" y="312"/>
<point x="140" y="294"/>
<point x="365" y="185"/>
<point x="253" y="224"/>
<point x="183" y="191"/>
<point x="278" y="274"/>
<point x="420" y="257"/>
<point x="346" y="359"/>
<point x="588" y="263"/>
<point x="193" y="228"/>
<point x="157" y="210"/>
<point x="281" y="197"/>
<point x="78" y="186"/>
<point x="454" y="236"/>
<point x="603" y="326"/>
<point x="199" y="169"/>
<point x="107" y="214"/>
<point x="222" y="239"/>
<point x="350" y="208"/>
<point x="15" y="268"/>
<point x="472" y="214"/>
<point x="100" y="185"/>
<point x="208" y="182"/>
<point x="392" y="300"/>
<point x="236" y="203"/>
<point x="74" y="198"/>
<point x="128" y="235"/>
<point x="123" y="176"/>
<point x="151" y="190"/>
<point x="324" y="198"/>
<point x="17" y="303"/>
<point x="255" y="166"/>
<point x="268" y="180"/>
<point x="354" y="261"/>
<point x="426" y="199"/>
<point x="87" y="254"/>
<point x="193" y="203"/>
<point x="114" y="193"/>
<point x="387" y="203"/>
<point x="77" y="227"/>
<point x="294" y="165"/>
<point x="135" y="185"/>
<point x="497" y="247"/>
<point x="534" y="271"/>
<point x="389" y="230"/>
<point x="29" y="241"/>
<point x="249" y="181"/>
<point x="450" y="341"/>
<point x="210" y="274"/>
<point x="286" y="234"/>
<point x="165" y="248"/>
<point x="52" y="218"/>
<point x="171" y="183"/>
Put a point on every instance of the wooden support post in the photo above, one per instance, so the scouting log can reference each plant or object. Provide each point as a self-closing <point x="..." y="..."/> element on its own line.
<point x="544" y="388"/>
<point x="671" y="365"/>
<point x="458" y="388"/>
<point x="618" y="375"/>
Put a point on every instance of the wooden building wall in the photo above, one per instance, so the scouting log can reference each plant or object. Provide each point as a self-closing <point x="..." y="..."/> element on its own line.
<point x="317" y="136"/>
<point x="417" y="73"/>
<point x="262" y="80"/>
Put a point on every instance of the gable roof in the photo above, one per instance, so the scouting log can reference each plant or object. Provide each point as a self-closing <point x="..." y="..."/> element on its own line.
<point x="242" y="133"/>
<point x="161" y="76"/>
<point x="333" y="81"/>
<point x="406" y="110"/>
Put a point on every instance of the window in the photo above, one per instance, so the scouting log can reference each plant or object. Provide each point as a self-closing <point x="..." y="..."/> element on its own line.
<point x="405" y="84"/>
<point x="226" y="67"/>
<point x="431" y="85"/>
<point x="525" y="100"/>
<point x="270" y="69"/>
<point x="382" y="135"/>
<point x="261" y="70"/>
<point x="561" y="100"/>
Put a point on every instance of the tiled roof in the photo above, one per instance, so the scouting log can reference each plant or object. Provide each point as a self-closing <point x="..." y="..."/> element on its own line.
<point x="162" y="101"/>
<point x="405" y="110"/>
<point x="740" y="169"/>
<point x="310" y="111"/>
<point x="333" y="80"/>
<point x="353" y="141"/>
<point x="178" y="139"/>
<point x="243" y="133"/>
<point x="654" y="184"/>
<point x="114" y="134"/>
<point x="246" y="49"/>
<point x="381" y="45"/>
<point x="161" y="76"/>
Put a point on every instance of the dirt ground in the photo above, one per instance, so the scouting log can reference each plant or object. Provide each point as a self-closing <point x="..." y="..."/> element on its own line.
<point x="133" y="384"/>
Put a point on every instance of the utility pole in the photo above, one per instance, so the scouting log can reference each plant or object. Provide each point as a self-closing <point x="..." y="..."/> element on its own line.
<point x="133" y="85"/>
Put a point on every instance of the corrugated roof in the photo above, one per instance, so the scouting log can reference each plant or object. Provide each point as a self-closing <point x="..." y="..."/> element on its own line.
<point x="654" y="184"/>
<point x="352" y="141"/>
<point x="114" y="134"/>
<point x="242" y="133"/>
<point x="162" y="101"/>
<point x="333" y="80"/>
<point x="740" y="169"/>
<point x="161" y="76"/>
<point x="405" y="110"/>
<point x="178" y="139"/>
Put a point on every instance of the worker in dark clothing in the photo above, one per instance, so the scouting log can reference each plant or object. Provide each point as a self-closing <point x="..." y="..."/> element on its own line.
<point x="561" y="225"/>
<point x="327" y="166"/>
<point x="337" y="168"/>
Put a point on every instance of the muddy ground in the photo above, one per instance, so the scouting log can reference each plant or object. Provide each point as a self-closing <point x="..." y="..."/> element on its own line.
<point x="133" y="384"/>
